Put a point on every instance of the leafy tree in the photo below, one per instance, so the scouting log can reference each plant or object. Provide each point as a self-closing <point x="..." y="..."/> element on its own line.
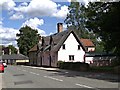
<point x="76" y="20"/>
<point x="76" y="17"/>
<point x="13" y="49"/>
<point x="1" y="46"/>
<point x="28" y="37"/>
<point x="104" y="19"/>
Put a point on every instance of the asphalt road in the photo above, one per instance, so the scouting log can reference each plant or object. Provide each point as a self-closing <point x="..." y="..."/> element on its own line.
<point x="25" y="77"/>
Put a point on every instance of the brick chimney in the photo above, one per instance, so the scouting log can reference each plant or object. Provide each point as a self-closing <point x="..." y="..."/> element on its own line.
<point x="60" y="27"/>
<point x="40" y="39"/>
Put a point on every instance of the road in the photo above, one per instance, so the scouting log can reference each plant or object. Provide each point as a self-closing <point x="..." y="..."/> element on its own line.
<point x="25" y="77"/>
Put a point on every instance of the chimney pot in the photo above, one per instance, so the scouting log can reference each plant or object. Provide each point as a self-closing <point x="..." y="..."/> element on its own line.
<point x="60" y="27"/>
<point x="9" y="51"/>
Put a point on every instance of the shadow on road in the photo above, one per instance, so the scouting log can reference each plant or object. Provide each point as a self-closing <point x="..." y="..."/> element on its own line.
<point x="92" y="75"/>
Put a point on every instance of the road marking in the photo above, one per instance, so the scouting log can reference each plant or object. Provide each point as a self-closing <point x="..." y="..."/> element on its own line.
<point x="24" y="70"/>
<point x="37" y="74"/>
<point x="18" y="69"/>
<point x="34" y="73"/>
<point x="53" y="78"/>
<point x="66" y="72"/>
<point x="81" y="85"/>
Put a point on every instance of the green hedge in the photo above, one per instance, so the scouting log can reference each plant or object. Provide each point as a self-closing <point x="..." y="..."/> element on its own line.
<point x="102" y="69"/>
<point x="73" y="65"/>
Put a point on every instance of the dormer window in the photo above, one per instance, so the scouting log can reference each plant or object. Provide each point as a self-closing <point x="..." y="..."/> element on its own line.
<point x="78" y="47"/>
<point x="63" y="47"/>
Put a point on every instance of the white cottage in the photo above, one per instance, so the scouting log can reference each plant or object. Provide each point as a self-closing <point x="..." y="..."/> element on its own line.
<point x="62" y="46"/>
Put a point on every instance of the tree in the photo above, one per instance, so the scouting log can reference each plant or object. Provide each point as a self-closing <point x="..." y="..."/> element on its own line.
<point x="13" y="49"/>
<point x="104" y="19"/>
<point x="76" y="17"/>
<point x="76" y="20"/>
<point x="1" y="46"/>
<point x="28" y="37"/>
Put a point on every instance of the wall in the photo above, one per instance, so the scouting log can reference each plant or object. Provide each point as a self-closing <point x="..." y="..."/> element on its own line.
<point x="91" y="49"/>
<point x="33" y="58"/>
<point x="99" y="60"/>
<point x="71" y="48"/>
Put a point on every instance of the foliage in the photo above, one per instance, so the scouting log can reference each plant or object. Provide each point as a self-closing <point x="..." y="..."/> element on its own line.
<point x="28" y="37"/>
<point x="1" y="46"/>
<point x="73" y="66"/>
<point x="76" y="17"/>
<point x="13" y="49"/>
<point x="101" y="69"/>
<point x="103" y="19"/>
<point x="76" y="20"/>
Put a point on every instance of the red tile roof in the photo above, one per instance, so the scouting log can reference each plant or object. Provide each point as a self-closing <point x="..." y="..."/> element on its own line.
<point x="87" y="42"/>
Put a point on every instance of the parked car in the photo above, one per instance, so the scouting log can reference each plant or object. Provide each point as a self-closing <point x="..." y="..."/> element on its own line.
<point x="4" y="63"/>
<point x="1" y="67"/>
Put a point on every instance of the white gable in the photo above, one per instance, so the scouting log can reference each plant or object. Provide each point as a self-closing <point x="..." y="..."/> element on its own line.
<point x="71" y="48"/>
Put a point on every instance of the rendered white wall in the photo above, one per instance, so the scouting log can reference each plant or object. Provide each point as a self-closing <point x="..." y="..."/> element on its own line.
<point x="71" y="48"/>
<point x="91" y="49"/>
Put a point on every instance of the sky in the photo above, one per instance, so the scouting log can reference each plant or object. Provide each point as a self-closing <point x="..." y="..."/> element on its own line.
<point x="42" y="15"/>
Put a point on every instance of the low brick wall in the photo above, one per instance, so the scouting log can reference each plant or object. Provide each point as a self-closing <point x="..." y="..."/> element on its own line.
<point x="101" y="63"/>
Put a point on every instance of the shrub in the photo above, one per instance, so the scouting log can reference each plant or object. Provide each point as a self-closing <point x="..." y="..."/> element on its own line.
<point x="73" y="66"/>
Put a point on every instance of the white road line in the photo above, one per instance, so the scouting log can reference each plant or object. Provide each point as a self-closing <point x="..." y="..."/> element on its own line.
<point x="66" y="72"/>
<point x="34" y="73"/>
<point x="85" y="86"/>
<point x="18" y="69"/>
<point x="37" y="74"/>
<point x="53" y="78"/>
<point x="24" y="70"/>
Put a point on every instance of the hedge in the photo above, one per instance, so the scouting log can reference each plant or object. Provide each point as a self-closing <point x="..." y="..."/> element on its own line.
<point x="79" y="66"/>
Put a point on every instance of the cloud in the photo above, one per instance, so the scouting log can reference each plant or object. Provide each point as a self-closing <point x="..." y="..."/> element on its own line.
<point x="37" y="8"/>
<point x="62" y="13"/>
<point x="23" y="4"/>
<point x="45" y="8"/>
<point x="35" y="23"/>
<point x="16" y="16"/>
<point x="7" y="4"/>
<point x="1" y="23"/>
<point x="8" y="35"/>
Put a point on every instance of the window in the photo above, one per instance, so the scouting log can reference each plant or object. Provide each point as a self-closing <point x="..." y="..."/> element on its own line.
<point x="63" y="46"/>
<point x="78" y="47"/>
<point x="71" y="57"/>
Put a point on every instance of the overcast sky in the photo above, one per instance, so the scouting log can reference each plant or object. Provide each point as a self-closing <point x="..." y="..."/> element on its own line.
<point x="42" y="15"/>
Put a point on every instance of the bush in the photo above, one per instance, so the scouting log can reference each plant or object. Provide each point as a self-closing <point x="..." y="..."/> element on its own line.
<point x="59" y="64"/>
<point x="117" y="69"/>
<point x="102" y="69"/>
<point x="79" y="66"/>
<point x="115" y="62"/>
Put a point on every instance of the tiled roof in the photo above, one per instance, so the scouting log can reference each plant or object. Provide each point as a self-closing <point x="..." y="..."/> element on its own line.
<point x="14" y="57"/>
<point x="87" y="42"/>
<point x="33" y="49"/>
<point x="58" y="39"/>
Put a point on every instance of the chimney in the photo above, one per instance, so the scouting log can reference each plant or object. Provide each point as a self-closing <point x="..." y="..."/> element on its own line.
<point x="18" y="52"/>
<point x="40" y="39"/>
<point x="3" y="52"/>
<point x="9" y="51"/>
<point x="60" y="27"/>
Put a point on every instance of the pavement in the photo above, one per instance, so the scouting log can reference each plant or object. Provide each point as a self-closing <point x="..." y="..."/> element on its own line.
<point x="93" y="75"/>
